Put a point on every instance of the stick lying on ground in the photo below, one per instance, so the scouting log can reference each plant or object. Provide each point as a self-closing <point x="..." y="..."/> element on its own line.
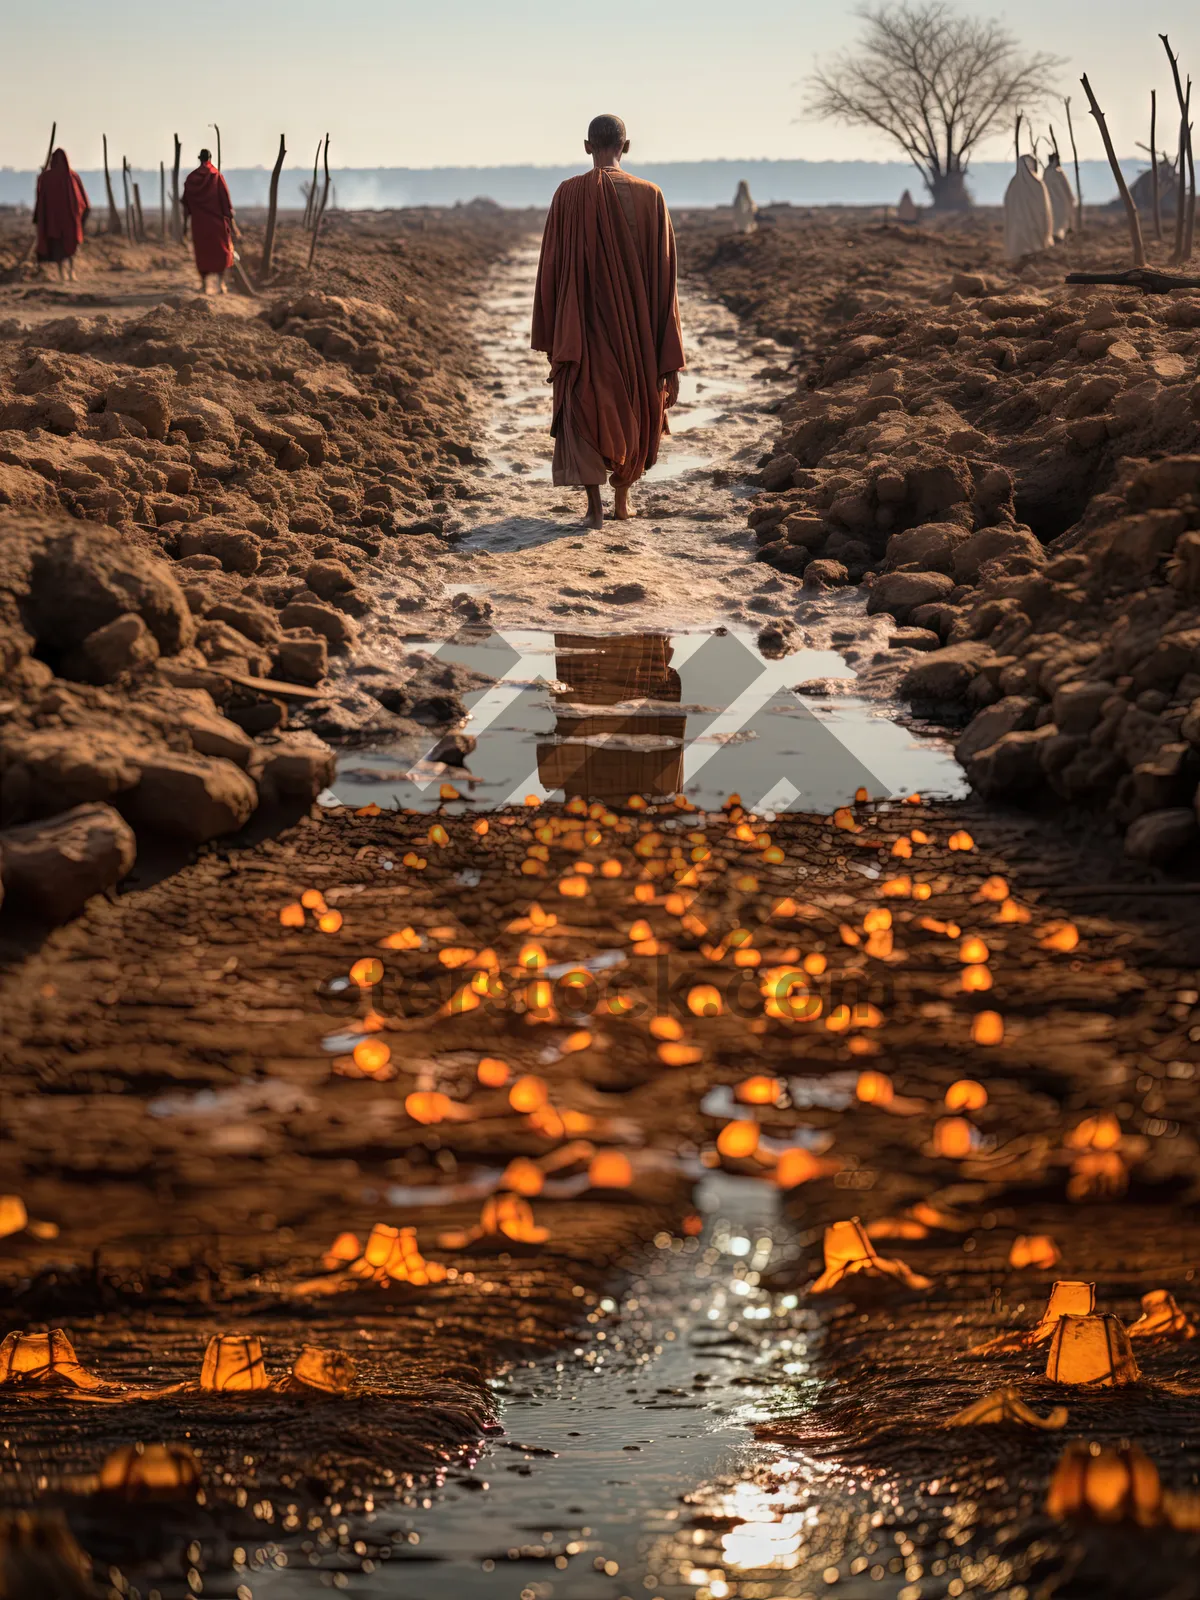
<point x="1144" y="278"/>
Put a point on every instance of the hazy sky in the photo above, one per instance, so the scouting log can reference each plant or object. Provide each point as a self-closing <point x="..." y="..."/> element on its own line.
<point x="492" y="82"/>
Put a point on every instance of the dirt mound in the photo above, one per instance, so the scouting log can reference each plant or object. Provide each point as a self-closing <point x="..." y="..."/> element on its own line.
<point x="1011" y="467"/>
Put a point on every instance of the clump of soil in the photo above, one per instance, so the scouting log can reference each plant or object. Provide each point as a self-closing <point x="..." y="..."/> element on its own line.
<point x="1011" y="466"/>
<point x="203" y="502"/>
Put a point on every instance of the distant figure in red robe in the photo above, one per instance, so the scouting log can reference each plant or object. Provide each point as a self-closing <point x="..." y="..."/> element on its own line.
<point x="605" y="312"/>
<point x="206" y="204"/>
<point x="59" y="213"/>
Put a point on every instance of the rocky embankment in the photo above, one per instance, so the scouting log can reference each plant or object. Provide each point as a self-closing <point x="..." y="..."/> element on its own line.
<point x="1013" y="467"/>
<point x="207" y="516"/>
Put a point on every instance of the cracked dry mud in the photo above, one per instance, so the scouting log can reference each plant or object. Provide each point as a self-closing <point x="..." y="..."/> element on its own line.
<point x="646" y="1400"/>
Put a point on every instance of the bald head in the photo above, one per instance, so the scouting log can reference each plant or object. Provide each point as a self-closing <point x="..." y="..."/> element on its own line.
<point x="606" y="134"/>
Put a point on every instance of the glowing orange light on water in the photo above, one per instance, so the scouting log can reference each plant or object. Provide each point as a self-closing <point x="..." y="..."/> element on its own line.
<point x="523" y="1176"/>
<point x="972" y="952"/>
<point x="610" y="1169"/>
<point x="796" y="1166"/>
<point x="428" y="1106"/>
<point x="987" y="1027"/>
<point x="492" y="1072"/>
<point x="313" y="900"/>
<point x="759" y="1090"/>
<point x="738" y="1139"/>
<point x="966" y="1095"/>
<point x="814" y="964"/>
<point x="960" y="841"/>
<point x="1062" y="936"/>
<point x="666" y="1028"/>
<point x="292" y="916"/>
<point x="976" y="980"/>
<point x="329" y="921"/>
<point x="953" y="1137"/>
<point x="574" y="887"/>
<point x="680" y="1055"/>
<point x="704" y="1000"/>
<point x="371" y="1056"/>
<point x="902" y="849"/>
<point x="1034" y="1250"/>
<point x="875" y="1089"/>
<point x="528" y="1093"/>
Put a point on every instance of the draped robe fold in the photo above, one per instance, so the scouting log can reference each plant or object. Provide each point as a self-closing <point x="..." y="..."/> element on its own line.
<point x="206" y="201"/>
<point x="606" y="313"/>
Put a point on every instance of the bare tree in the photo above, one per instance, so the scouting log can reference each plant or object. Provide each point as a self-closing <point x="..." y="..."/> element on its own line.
<point x="935" y="82"/>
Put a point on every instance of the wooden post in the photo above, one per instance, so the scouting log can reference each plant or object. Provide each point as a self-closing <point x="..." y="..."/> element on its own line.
<point x="128" y="198"/>
<point x="319" y="215"/>
<point x="310" y="208"/>
<point x="264" y="269"/>
<point x="1189" y="231"/>
<point x="114" y="221"/>
<point x="50" y="147"/>
<point x="1154" y="164"/>
<point x="217" y="131"/>
<point x="1075" y="155"/>
<point x="137" y="212"/>
<point x="162" y="200"/>
<point x="176" y="213"/>
<point x="1181" y="180"/>
<point x="1135" y="226"/>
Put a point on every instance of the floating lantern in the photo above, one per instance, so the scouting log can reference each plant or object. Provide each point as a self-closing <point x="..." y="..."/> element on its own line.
<point x="531" y="957"/>
<point x="480" y="827"/>
<point x="1099" y="1484"/>
<point x="844" y="819"/>
<point x="513" y="1217"/>
<point x="738" y="1140"/>
<point x="680" y="1055"/>
<point x="611" y="869"/>
<point x="849" y="1252"/>
<point x="644" y="893"/>
<point x="903" y="849"/>
<point x="758" y="1091"/>
<point x="995" y="889"/>
<point x="1091" y="1350"/>
<point x="523" y="1176"/>
<point x="405" y="939"/>
<point x="814" y="964"/>
<point x="233" y="1363"/>
<point x="1034" y="1250"/>
<point x="371" y="1056"/>
<point x="344" y="1249"/>
<point x="797" y="1166"/>
<point x="327" y="1371"/>
<point x="145" y="1471"/>
<point x="1102" y="1132"/>
<point x="367" y="972"/>
<point x="966" y="1095"/>
<point x="1062" y="936"/>
<point x="329" y="921"/>
<point x="292" y="916"/>
<point x="976" y="980"/>
<point x="666" y="1028"/>
<point x="1097" y="1175"/>
<point x="1069" y="1297"/>
<point x="960" y="841"/>
<point x="875" y="1089"/>
<point x="527" y="1094"/>
<point x="574" y="887"/>
<point x="13" y="1216"/>
<point x="574" y="1042"/>
<point x="704" y="1000"/>
<point x="1162" y="1319"/>
<point x="428" y="1106"/>
<point x="492" y="1072"/>
<point x="1004" y="1407"/>
<point x="610" y="1169"/>
<point x="987" y="1027"/>
<point x="313" y="900"/>
<point x="439" y="836"/>
<point x="972" y="952"/>
<point x="953" y="1137"/>
<point x="878" y="918"/>
<point x="43" y="1358"/>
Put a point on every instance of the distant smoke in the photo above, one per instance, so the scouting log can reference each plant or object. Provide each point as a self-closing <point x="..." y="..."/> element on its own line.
<point x="685" y="183"/>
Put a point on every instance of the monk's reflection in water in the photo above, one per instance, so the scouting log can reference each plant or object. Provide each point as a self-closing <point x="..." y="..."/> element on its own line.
<point x="613" y="737"/>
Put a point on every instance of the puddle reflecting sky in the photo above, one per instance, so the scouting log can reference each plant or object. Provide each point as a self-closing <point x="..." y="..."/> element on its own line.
<point x="705" y="714"/>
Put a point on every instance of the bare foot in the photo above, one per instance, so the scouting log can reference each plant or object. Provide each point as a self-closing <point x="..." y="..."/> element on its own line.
<point x="595" y="506"/>
<point x="621" y="510"/>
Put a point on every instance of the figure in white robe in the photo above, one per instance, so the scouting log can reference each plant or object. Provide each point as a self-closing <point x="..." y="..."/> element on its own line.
<point x="744" y="210"/>
<point x="1062" y="197"/>
<point x="1028" y="215"/>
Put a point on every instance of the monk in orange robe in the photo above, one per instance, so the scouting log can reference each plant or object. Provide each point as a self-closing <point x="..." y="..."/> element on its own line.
<point x="607" y="315"/>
